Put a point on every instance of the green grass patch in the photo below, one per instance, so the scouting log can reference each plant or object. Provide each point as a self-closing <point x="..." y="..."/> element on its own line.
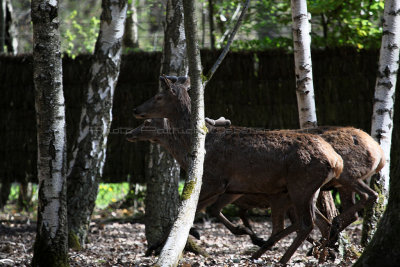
<point x="110" y="193"/>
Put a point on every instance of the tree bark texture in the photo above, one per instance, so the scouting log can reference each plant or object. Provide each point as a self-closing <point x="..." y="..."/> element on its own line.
<point x="131" y="39"/>
<point x="89" y="152"/>
<point x="179" y="233"/>
<point x="50" y="248"/>
<point x="382" y="116"/>
<point x="303" y="66"/>
<point x="162" y="198"/>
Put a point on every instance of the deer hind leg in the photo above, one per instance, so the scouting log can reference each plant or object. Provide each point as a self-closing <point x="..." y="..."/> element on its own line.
<point x="367" y="197"/>
<point x="222" y="201"/>
<point x="304" y="210"/>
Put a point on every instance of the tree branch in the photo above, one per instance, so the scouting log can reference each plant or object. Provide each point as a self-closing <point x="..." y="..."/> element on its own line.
<point x="228" y="44"/>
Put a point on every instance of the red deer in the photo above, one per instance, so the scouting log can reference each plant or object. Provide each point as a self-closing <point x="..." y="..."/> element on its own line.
<point x="362" y="157"/>
<point x="280" y="164"/>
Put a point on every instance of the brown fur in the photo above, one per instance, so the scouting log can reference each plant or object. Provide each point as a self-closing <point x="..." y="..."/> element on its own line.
<point x="245" y="161"/>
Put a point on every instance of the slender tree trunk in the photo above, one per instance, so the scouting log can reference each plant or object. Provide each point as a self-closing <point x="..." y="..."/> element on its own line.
<point x="211" y="21"/>
<point x="203" y="24"/>
<point x="3" y="12"/>
<point x="303" y="66"/>
<point x="304" y="85"/>
<point x="180" y="230"/>
<point x="50" y="247"/>
<point x="382" y="117"/>
<point x="162" y="198"/>
<point x="131" y="27"/>
<point x="11" y="34"/>
<point x="86" y="167"/>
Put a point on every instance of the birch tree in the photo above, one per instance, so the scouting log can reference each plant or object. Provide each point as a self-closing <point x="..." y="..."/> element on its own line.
<point x="304" y="84"/>
<point x="50" y="248"/>
<point x="180" y="230"/>
<point x="89" y="151"/>
<point x="162" y="198"/>
<point x="176" y="241"/>
<point x="382" y="117"/>
<point x="303" y="66"/>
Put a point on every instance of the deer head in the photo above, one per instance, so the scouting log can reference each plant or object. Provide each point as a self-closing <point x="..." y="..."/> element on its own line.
<point x="151" y="130"/>
<point x="170" y="102"/>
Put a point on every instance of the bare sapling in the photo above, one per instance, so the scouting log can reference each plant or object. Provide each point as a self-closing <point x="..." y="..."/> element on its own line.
<point x="248" y="161"/>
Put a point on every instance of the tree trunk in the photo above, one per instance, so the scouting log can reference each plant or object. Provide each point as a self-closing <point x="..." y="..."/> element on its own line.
<point x="50" y="248"/>
<point x="326" y="205"/>
<point x="382" y="117"/>
<point x="211" y="21"/>
<point x="5" y="188"/>
<point x="303" y="66"/>
<point x="11" y="34"/>
<point x="304" y="86"/>
<point x="3" y="12"/>
<point x="180" y="230"/>
<point x="131" y="27"/>
<point x="162" y="198"/>
<point x="86" y="167"/>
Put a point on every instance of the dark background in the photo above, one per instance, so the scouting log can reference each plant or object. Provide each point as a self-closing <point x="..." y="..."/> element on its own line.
<point x="250" y="88"/>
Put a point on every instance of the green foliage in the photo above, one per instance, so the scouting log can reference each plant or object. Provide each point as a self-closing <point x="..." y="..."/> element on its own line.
<point x="110" y="193"/>
<point x="334" y="23"/>
<point x="80" y="35"/>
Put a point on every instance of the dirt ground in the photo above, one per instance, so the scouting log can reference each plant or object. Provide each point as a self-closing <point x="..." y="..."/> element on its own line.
<point x="124" y="244"/>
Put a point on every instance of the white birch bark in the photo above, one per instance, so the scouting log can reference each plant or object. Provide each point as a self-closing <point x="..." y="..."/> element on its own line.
<point x="50" y="247"/>
<point x="303" y="66"/>
<point x="86" y="167"/>
<point x="304" y="85"/>
<point x="162" y="198"/>
<point x="383" y="109"/>
<point x="175" y="244"/>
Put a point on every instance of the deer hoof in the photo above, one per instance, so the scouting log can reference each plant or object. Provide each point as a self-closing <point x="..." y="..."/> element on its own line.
<point x="257" y="241"/>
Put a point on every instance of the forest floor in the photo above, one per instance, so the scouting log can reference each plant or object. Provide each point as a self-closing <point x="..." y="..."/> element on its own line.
<point x="121" y="242"/>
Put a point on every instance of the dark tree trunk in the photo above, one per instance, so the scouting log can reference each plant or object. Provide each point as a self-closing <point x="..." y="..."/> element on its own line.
<point x="211" y="21"/>
<point x="3" y="11"/>
<point x="162" y="198"/>
<point x="5" y="188"/>
<point x="50" y="247"/>
<point x="89" y="152"/>
<point x="384" y="247"/>
<point x="131" y="28"/>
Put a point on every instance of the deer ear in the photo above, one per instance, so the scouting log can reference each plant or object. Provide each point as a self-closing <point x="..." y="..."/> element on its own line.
<point x="166" y="84"/>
